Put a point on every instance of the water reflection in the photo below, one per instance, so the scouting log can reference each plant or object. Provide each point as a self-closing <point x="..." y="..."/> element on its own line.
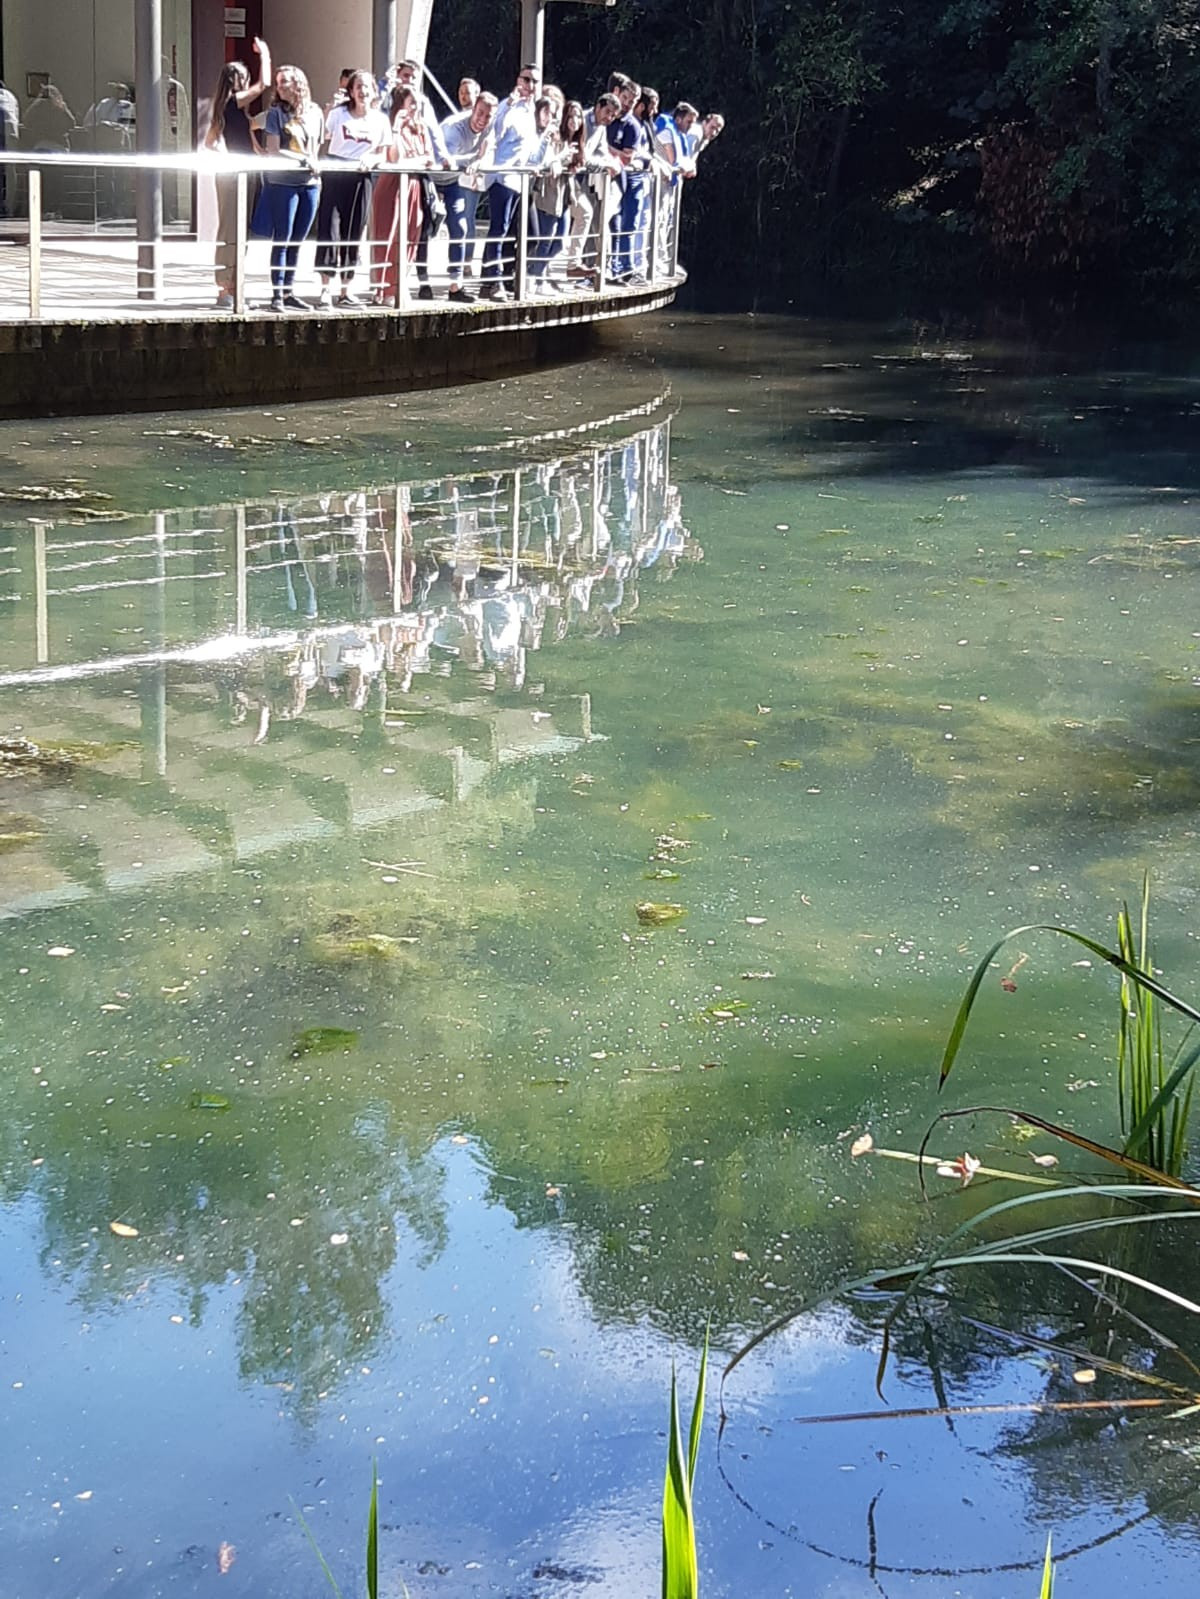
<point x="370" y="614"/>
<point x="330" y="763"/>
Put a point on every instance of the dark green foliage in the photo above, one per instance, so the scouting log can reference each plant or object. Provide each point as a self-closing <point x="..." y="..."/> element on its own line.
<point x="869" y="144"/>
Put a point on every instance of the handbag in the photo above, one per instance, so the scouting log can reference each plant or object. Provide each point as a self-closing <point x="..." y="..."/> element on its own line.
<point x="432" y="204"/>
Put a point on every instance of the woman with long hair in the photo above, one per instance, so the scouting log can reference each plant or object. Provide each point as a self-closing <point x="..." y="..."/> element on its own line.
<point x="293" y="128"/>
<point x="551" y="191"/>
<point x="229" y="133"/>
<point x="357" y="134"/>
<point x="412" y="146"/>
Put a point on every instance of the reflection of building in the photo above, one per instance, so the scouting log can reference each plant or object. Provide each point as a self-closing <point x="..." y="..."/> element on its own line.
<point x="285" y="670"/>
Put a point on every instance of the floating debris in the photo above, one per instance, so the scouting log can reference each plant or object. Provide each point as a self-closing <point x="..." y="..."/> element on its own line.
<point x="323" y="1041"/>
<point x="656" y="913"/>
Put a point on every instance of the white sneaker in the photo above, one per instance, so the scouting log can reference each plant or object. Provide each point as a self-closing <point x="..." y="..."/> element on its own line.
<point x="224" y="302"/>
<point x="324" y="299"/>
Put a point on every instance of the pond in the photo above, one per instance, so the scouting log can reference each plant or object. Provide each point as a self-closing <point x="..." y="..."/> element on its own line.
<point x="352" y="1112"/>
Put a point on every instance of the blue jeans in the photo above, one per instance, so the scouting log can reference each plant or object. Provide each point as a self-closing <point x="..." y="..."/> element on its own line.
<point x="461" y="205"/>
<point x="629" y="237"/>
<point x="497" y="259"/>
<point x="293" y="207"/>
<point x="546" y="240"/>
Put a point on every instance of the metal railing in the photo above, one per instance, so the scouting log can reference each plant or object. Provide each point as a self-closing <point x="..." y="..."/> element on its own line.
<point x="100" y="273"/>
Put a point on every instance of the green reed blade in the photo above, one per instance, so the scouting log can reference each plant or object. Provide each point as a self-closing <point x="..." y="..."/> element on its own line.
<point x="1143" y="980"/>
<point x="697" y="1412"/>
<point x="1048" y="1574"/>
<point x="680" y="1571"/>
<point x="316" y="1548"/>
<point x="373" y="1536"/>
<point x="1159" y="1102"/>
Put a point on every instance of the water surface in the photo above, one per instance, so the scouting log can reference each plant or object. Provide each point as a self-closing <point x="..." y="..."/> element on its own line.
<point x="323" y="970"/>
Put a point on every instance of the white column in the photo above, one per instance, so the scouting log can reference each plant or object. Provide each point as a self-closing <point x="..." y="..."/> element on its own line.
<point x="533" y="32"/>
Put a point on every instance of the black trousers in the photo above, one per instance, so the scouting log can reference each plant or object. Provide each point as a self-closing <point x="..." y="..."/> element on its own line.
<point x="341" y="216"/>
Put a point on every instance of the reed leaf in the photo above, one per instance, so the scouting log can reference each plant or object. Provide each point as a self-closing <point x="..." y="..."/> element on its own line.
<point x="1155" y="1106"/>
<point x="316" y="1548"/>
<point x="1048" y="1574"/>
<point x="914" y="1273"/>
<point x="1117" y="1157"/>
<point x="680" y="1566"/>
<point x="1143" y="980"/>
<point x="373" y="1536"/>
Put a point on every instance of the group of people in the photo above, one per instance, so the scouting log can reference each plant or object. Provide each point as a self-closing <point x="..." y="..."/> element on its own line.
<point x="588" y="176"/>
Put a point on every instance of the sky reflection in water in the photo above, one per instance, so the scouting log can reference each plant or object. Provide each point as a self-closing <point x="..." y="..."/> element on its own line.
<point x="850" y="649"/>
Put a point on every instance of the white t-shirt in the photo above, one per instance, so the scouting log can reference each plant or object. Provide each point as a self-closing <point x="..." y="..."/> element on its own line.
<point x="353" y="138"/>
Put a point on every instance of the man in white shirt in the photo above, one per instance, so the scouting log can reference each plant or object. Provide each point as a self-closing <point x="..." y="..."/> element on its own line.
<point x="468" y="137"/>
<point x="517" y="144"/>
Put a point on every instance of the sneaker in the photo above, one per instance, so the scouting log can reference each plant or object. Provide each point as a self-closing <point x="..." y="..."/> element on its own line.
<point x="494" y="291"/>
<point x="637" y="280"/>
<point x="460" y="296"/>
<point x="424" y="292"/>
<point x="224" y="302"/>
<point x="294" y="303"/>
<point x="324" y="299"/>
<point x="276" y="303"/>
<point x="351" y="301"/>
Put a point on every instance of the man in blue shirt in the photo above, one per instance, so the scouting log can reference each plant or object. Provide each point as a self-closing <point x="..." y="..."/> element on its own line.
<point x="628" y="137"/>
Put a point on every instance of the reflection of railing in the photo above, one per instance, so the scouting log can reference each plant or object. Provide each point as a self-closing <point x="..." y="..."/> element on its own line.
<point x="310" y="665"/>
<point x="79" y="274"/>
<point x="571" y="534"/>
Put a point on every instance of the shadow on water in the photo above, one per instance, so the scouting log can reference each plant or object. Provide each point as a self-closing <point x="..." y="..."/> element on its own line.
<point x="911" y="400"/>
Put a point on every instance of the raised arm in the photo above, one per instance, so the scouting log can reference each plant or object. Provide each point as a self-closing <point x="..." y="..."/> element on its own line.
<point x="246" y="97"/>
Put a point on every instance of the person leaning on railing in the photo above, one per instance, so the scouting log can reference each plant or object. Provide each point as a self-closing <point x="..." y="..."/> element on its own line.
<point x="518" y="147"/>
<point x="357" y="135"/>
<point x="229" y="133"/>
<point x="467" y="137"/>
<point x="293" y="128"/>
<point x="412" y="145"/>
<point x="596" y="192"/>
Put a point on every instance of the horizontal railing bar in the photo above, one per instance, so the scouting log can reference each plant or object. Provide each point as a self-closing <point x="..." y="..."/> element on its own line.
<point x="125" y="555"/>
<point x="220" y="165"/>
<point x="137" y="582"/>
<point x="130" y="538"/>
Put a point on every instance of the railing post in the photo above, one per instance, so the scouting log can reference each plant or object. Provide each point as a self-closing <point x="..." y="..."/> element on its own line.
<point x="515" y="566"/>
<point x="521" y="267"/>
<point x="676" y="223"/>
<point x="602" y="239"/>
<point x="41" y="603"/>
<point x="35" y="242"/>
<point x="399" y="549"/>
<point x="239" y="244"/>
<point x="239" y="557"/>
<point x="147" y="52"/>
<point x="655" y="224"/>
<point x="403" y="300"/>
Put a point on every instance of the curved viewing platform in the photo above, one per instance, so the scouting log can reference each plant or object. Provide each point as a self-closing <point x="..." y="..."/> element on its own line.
<point x="100" y="317"/>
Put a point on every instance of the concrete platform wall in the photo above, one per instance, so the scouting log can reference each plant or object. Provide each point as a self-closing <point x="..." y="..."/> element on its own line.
<point x="81" y="367"/>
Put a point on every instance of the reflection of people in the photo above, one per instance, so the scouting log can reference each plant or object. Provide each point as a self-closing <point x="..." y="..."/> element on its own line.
<point x="477" y="589"/>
